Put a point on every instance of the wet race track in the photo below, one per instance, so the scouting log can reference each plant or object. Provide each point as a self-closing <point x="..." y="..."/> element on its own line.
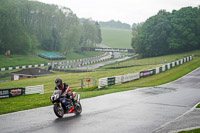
<point x="143" y="110"/>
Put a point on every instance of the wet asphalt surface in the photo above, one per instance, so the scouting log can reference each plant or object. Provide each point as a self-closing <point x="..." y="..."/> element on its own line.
<point x="188" y="121"/>
<point x="144" y="110"/>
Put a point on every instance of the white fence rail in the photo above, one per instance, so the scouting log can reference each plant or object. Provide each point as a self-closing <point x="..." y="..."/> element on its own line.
<point x="133" y="76"/>
<point x="34" y="89"/>
<point x="119" y="79"/>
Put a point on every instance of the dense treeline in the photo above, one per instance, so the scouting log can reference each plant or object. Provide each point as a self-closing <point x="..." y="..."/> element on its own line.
<point x="115" y="24"/>
<point x="167" y="33"/>
<point x="27" y="25"/>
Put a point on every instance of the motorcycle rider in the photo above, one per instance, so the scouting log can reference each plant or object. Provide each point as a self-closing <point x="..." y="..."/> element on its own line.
<point x="64" y="87"/>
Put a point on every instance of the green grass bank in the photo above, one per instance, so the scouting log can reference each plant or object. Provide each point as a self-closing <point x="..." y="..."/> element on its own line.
<point x="116" y="38"/>
<point x="191" y="131"/>
<point x="39" y="100"/>
<point x="20" y="60"/>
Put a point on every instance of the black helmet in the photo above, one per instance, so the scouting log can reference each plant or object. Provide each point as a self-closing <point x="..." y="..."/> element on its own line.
<point x="58" y="82"/>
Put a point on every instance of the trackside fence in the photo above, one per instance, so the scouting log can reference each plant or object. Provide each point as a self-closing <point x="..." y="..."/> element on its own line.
<point x="108" y="81"/>
<point x="13" y="92"/>
<point x="67" y="64"/>
<point x="34" y="89"/>
<point x="23" y="67"/>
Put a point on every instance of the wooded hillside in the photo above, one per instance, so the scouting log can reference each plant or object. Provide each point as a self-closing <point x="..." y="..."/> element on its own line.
<point x="28" y="25"/>
<point x="115" y="24"/>
<point x="166" y="33"/>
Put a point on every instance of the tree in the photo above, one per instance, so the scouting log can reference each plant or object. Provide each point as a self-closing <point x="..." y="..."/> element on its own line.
<point x="73" y="39"/>
<point x="12" y="35"/>
<point x="98" y="33"/>
<point x="89" y="33"/>
<point x="167" y="33"/>
<point x="151" y="38"/>
<point x="55" y="40"/>
<point x="32" y="25"/>
<point x="115" y="24"/>
<point x="185" y="33"/>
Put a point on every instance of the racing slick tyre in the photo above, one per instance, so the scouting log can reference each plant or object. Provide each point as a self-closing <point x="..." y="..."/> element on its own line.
<point x="78" y="109"/>
<point x="58" y="110"/>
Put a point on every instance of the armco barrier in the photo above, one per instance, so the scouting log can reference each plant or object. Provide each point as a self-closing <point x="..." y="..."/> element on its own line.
<point x="34" y="89"/>
<point x="111" y="81"/>
<point x="103" y="82"/>
<point x="47" y="64"/>
<point x="146" y="73"/>
<point x="22" y="67"/>
<point x="130" y="77"/>
<point x="6" y="93"/>
<point x="157" y="70"/>
<point x="173" y="64"/>
<point x="134" y="76"/>
<point x="163" y="68"/>
<point x="118" y="79"/>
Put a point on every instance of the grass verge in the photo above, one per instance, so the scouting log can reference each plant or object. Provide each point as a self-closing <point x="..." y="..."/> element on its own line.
<point x="164" y="77"/>
<point x="39" y="100"/>
<point x="20" y="60"/>
<point x="191" y="131"/>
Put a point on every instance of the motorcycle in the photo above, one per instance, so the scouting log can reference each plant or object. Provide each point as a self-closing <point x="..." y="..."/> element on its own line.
<point x="63" y="105"/>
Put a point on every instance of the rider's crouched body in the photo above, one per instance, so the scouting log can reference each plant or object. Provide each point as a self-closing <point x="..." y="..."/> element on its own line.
<point x="66" y="92"/>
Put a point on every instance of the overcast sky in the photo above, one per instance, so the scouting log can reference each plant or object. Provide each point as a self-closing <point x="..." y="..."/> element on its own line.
<point x="126" y="11"/>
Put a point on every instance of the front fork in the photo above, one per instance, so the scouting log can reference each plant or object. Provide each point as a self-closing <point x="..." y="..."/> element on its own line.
<point x="60" y="104"/>
<point x="78" y="98"/>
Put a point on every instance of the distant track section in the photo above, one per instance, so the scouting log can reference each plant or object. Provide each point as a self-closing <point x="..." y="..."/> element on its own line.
<point x="107" y="50"/>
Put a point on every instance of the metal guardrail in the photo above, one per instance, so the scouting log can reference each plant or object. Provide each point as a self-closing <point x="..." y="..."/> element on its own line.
<point x="133" y="76"/>
<point x="59" y="65"/>
<point x="18" y="91"/>
<point x="34" y="89"/>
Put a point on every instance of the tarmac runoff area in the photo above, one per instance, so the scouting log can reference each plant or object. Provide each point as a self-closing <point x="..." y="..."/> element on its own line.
<point x="188" y="121"/>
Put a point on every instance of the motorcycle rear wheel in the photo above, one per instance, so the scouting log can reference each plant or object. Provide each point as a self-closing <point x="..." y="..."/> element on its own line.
<point x="58" y="110"/>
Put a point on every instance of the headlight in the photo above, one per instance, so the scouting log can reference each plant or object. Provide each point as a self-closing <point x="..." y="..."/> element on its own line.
<point x="54" y="97"/>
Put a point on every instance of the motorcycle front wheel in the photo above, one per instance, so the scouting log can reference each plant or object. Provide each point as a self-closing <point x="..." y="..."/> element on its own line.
<point x="78" y="109"/>
<point x="58" y="110"/>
